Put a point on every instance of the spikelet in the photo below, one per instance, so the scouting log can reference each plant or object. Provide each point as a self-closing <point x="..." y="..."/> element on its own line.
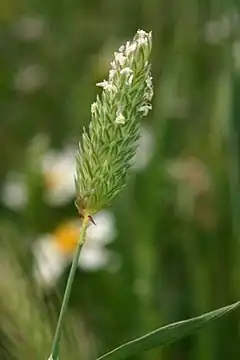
<point x="108" y="146"/>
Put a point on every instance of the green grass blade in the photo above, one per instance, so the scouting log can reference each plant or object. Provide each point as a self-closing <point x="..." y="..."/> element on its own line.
<point x="166" y="334"/>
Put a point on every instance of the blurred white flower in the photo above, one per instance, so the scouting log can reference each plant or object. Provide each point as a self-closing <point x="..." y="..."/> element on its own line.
<point x="94" y="258"/>
<point x="30" y="78"/>
<point x="105" y="231"/>
<point x="58" y="169"/>
<point x="49" y="261"/>
<point x="145" y="150"/>
<point x="53" y="252"/>
<point x="192" y="179"/>
<point x="29" y="28"/>
<point x="222" y="28"/>
<point x="14" y="192"/>
<point x="217" y="30"/>
<point x="192" y="172"/>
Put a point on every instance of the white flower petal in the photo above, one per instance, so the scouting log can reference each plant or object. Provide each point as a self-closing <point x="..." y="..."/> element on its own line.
<point x="49" y="261"/>
<point x="145" y="150"/>
<point x="105" y="230"/>
<point x="59" y="169"/>
<point x="14" y="192"/>
<point x="93" y="258"/>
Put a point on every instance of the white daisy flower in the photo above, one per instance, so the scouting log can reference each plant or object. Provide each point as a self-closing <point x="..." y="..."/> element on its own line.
<point x="53" y="252"/>
<point x="49" y="261"/>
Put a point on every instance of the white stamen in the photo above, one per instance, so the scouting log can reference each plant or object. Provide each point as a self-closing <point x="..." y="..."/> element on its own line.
<point x="142" y="41"/>
<point x="112" y="72"/>
<point x="149" y="81"/>
<point x="120" y="119"/>
<point x="94" y="107"/>
<point x="119" y="57"/>
<point x="113" y="64"/>
<point x="130" y="48"/>
<point x="130" y="80"/>
<point x="145" y="109"/>
<point x="106" y="85"/>
<point x="142" y="33"/>
<point x="126" y="71"/>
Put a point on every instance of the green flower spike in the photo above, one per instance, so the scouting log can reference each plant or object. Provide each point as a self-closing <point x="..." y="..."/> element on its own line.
<point x="106" y="150"/>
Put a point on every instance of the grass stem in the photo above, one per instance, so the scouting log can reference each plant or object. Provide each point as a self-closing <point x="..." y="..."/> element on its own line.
<point x="55" y="345"/>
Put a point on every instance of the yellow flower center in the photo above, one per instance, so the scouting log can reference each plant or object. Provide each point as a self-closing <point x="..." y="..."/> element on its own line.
<point x="52" y="179"/>
<point x="66" y="237"/>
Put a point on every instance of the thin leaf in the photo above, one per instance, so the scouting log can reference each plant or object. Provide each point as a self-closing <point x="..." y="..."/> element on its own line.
<point x="166" y="334"/>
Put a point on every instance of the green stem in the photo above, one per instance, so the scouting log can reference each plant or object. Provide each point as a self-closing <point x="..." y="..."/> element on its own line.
<point x="55" y="345"/>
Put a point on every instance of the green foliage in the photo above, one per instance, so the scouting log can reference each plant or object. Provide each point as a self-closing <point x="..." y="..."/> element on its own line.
<point x="166" y="334"/>
<point x="178" y="230"/>
<point x="26" y="321"/>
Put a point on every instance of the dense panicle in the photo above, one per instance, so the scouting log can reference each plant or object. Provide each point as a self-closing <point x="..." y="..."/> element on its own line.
<point x="108" y="146"/>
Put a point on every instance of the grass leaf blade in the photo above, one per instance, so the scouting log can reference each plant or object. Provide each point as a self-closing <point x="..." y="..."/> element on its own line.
<point x="166" y="334"/>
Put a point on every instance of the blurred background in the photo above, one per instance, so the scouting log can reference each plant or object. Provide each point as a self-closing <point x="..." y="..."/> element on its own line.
<point x="169" y="247"/>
